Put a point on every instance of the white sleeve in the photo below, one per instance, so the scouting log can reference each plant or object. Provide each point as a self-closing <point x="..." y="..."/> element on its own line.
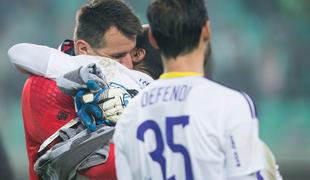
<point x="244" y="149"/>
<point x="31" y="58"/>
<point x="45" y="61"/>
<point x="123" y="170"/>
<point x="52" y="63"/>
<point x="144" y="79"/>
<point x="254" y="176"/>
<point x="267" y="173"/>
<point x="117" y="73"/>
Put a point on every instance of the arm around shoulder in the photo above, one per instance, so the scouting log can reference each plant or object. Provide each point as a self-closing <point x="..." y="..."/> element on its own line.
<point x="30" y="58"/>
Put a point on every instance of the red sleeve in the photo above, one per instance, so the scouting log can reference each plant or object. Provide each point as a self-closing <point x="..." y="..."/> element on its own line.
<point x="103" y="171"/>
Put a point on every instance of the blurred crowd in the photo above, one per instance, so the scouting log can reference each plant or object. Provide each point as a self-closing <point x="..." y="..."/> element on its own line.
<point x="259" y="46"/>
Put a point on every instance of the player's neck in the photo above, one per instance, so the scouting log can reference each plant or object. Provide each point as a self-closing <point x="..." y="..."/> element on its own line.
<point x="190" y="62"/>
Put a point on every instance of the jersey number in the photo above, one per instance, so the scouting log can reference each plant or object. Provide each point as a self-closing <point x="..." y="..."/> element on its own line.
<point x="157" y="154"/>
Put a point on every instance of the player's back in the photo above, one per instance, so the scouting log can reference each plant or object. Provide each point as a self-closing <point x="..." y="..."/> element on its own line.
<point x="190" y="128"/>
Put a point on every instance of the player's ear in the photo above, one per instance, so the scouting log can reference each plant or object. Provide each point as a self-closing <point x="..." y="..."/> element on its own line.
<point x="206" y="31"/>
<point x="83" y="48"/>
<point x="152" y="39"/>
<point x="138" y="55"/>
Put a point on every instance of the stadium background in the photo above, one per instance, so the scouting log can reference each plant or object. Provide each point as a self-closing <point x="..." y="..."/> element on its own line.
<point x="260" y="46"/>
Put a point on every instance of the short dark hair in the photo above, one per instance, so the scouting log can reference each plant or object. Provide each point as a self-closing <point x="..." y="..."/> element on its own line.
<point x="95" y="18"/>
<point x="177" y="24"/>
<point x="151" y="63"/>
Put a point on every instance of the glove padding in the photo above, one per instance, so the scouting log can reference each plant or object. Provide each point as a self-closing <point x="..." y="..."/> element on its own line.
<point x="92" y="72"/>
<point x="96" y="105"/>
<point x="90" y="114"/>
<point x="75" y="80"/>
<point x="113" y="102"/>
<point x="87" y="107"/>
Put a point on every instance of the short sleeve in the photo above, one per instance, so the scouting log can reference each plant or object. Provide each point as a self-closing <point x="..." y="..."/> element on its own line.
<point x="244" y="149"/>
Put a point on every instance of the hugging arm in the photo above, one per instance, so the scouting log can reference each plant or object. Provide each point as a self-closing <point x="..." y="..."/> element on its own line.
<point x="41" y="60"/>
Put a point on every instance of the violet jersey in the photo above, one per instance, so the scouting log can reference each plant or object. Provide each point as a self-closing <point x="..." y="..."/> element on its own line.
<point x="51" y="63"/>
<point x="188" y="128"/>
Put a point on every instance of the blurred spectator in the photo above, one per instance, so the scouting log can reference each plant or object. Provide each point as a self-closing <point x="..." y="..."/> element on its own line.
<point x="5" y="167"/>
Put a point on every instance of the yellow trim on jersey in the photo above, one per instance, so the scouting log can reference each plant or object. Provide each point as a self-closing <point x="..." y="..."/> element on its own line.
<point x="179" y="74"/>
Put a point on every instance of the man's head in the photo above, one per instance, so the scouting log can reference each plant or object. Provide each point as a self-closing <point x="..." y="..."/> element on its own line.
<point x="107" y="28"/>
<point x="146" y="58"/>
<point x="178" y="26"/>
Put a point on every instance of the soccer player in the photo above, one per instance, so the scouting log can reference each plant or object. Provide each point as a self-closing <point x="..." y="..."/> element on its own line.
<point x="184" y="126"/>
<point x="105" y="28"/>
<point x="146" y="58"/>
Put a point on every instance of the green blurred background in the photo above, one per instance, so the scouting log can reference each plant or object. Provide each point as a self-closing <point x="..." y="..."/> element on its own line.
<point x="259" y="46"/>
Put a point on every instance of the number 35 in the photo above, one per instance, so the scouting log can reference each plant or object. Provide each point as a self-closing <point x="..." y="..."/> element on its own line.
<point x="157" y="154"/>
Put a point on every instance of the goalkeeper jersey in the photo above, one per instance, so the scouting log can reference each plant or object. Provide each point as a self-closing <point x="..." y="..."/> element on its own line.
<point x="188" y="128"/>
<point x="45" y="109"/>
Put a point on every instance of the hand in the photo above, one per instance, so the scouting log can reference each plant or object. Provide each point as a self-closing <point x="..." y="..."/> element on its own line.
<point x="112" y="102"/>
<point x="75" y="80"/>
<point x="89" y="114"/>
<point x="92" y="72"/>
<point x="87" y="109"/>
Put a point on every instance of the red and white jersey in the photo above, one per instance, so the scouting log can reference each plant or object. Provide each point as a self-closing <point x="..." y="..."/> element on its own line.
<point x="188" y="128"/>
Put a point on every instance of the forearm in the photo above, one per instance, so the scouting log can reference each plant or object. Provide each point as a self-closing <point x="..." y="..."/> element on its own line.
<point x="41" y="60"/>
<point x="30" y="58"/>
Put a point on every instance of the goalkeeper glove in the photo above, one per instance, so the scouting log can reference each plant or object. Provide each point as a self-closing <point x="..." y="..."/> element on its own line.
<point x="75" y="80"/>
<point x="113" y="102"/>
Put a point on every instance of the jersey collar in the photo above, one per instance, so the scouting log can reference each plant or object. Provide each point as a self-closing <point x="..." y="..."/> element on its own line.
<point x="179" y="74"/>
